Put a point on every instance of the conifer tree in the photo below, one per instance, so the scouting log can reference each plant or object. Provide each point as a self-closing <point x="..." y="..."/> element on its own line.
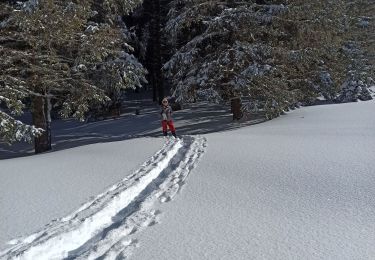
<point x="52" y="51"/>
<point x="274" y="53"/>
<point x="359" y="46"/>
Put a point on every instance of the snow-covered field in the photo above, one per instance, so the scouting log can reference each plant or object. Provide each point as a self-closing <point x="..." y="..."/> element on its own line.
<point x="35" y="190"/>
<point x="301" y="186"/>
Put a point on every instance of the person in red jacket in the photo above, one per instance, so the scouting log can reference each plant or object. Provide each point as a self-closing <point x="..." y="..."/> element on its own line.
<point x="167" y="121"/>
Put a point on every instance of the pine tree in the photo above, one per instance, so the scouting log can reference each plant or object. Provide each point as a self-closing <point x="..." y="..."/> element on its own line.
<point x="359" y="47"/>
<point x="274" y="53"/>
<point x="52" y="51"/>
<point x="12" y="95"/>
<point x="146" y="22"/>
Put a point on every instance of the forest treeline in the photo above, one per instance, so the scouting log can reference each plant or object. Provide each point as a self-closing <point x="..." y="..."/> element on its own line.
<point x="77" y="57"/>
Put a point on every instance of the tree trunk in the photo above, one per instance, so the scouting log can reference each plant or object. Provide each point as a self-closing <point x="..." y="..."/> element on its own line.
<point x="152" y="10"/>
<point x="236" y="108"/>
<point x="158" y="52"/>
<point x="40" y="109"/>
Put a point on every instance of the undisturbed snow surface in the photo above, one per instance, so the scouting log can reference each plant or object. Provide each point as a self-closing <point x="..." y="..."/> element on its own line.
<point x="298" y="187"/>
<point x="301" y="186"/>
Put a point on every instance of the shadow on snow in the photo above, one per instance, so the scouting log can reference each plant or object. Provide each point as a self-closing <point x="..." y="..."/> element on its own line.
<point x="194" y="119"/>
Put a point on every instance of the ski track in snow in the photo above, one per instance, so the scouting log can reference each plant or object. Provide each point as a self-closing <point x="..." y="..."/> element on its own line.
<point x="103" y="227"/>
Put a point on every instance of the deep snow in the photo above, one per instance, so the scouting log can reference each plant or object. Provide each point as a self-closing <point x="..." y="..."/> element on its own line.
<point x="301" y="186"/>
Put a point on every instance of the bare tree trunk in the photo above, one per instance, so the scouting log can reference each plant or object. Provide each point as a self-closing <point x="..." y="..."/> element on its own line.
<point x="47" y="113"/>
<point x="41" y="119"/>
<point x="236" y="108"/>
<point x="152" y="10"/>
<point x="158" y="52"/>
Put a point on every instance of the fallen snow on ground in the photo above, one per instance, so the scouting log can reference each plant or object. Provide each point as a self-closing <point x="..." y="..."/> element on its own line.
<point x="195" y="119"/>
<point x="301" y="186"/>
<point x="100" y="228"/>
<point x="37" y="189"/>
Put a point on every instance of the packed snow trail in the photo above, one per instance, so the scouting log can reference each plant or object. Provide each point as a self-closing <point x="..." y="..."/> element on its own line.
<point x="102" y="228"/>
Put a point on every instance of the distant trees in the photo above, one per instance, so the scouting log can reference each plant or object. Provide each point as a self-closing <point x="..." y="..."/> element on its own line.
<point x="59" y="53"/>
<point x="152" y="13"/>
<point x="146" y="23"/>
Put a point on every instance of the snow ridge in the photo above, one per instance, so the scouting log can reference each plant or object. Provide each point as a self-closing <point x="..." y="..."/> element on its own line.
<point x="103" y="227"/>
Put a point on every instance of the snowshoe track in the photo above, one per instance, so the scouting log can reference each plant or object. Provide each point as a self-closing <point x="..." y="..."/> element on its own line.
<point x="103" y="228"/>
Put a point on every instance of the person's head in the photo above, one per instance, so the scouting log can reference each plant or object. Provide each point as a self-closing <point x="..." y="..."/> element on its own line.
<point x="164" y="102"/>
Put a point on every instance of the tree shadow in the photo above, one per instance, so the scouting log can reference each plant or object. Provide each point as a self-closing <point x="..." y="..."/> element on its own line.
<point x="194" y="119"/>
